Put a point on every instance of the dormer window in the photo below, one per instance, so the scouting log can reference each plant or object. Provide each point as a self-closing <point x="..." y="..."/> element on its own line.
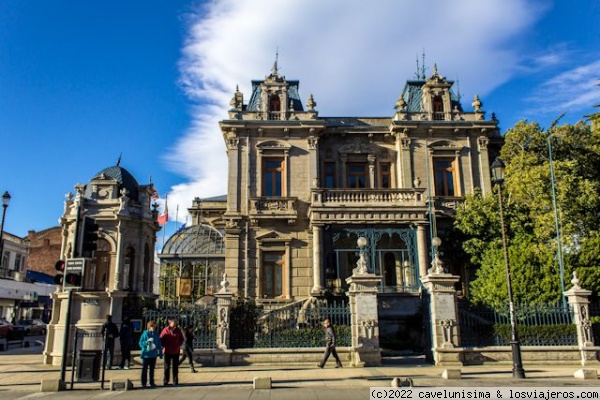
<point x="438" y="108"/>
<point x="274" y="107"/>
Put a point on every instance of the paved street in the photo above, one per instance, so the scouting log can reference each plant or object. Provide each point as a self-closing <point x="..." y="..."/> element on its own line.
<point x="21" y="372"/>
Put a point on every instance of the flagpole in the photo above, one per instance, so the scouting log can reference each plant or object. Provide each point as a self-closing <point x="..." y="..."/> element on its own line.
<point x="166" y="222"/>
<point x="176" y="218"/>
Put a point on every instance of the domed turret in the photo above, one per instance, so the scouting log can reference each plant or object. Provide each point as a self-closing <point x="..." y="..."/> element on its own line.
<point x="119" y="174"/>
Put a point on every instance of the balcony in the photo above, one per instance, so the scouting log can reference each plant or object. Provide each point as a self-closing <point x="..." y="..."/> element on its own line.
<point x="359" y="206"/>
<point x="269" y="208"/>
<point x="368" y="197"/>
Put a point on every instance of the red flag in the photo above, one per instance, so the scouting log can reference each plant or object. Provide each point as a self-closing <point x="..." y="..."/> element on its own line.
<point x="164" y="217"/>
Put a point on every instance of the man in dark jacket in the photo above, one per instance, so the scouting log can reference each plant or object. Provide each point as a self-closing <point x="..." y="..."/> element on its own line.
<point x="110" y="332"/>
<point x="172" y="339"/>
<point x="330" y="349"/>
<point x="126" y="339"/>
<point x="188" y="347"/>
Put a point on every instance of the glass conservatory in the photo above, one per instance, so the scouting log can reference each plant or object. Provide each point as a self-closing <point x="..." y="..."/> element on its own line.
<point x="192" y="263"/>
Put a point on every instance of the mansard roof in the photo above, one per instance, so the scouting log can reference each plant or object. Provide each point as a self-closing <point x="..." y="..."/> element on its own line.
<point x="413" y="95"/>
<point x="255" y="103"/>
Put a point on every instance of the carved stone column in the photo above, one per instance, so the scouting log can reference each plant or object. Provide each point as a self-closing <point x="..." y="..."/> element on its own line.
<point x="444" y="316"/>
<point x="579" y="302"/>
<point x="422" y="250"/>
<point x="371" y="158"/>
<point x="317" y="236"/>
<point x="484" y="164"/>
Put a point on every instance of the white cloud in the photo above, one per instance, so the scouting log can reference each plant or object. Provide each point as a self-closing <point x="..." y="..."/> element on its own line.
<point x="354" y="56"/>
<point x="573" y="89"/>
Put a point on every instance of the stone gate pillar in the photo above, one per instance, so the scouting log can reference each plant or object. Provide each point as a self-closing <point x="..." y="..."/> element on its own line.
<point x="224" y="300"/>
<point x="363" y="312"/>
<point x="579" y="302"/>
<point x="444" y="317"/>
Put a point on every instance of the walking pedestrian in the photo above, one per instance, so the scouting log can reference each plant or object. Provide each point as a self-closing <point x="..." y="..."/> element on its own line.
<point x="172" y="339"/>
<point x="188" y="347"/>
<point x="110" y="332"/>
<point x="126" y="339"/>
<point x="330" y="343"/>
<point x="151" y="347"/>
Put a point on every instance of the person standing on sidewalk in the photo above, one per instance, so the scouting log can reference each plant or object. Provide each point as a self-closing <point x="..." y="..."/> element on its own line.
<point x="172" y="339"/>
<point x="151" y="347"/>
<point x="110" y="332"/>
<point x="188" y="347"/>
<point x="126" y="339"/>
<point x="330" y="349"/>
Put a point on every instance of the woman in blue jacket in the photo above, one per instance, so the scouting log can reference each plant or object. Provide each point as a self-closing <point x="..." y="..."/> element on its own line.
<point x="151" y="347"/>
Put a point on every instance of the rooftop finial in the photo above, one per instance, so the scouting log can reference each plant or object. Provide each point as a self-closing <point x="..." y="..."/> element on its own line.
<point x="423" y="66"/>
<point x="275" y="71"/>
<point x="420" y="75"/>
<point x="435" y="69"/>
<point x="119" y="160"/>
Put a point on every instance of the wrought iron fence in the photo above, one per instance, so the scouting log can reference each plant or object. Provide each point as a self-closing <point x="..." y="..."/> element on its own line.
<point x="296" y="325"/>
<point x="204" y="321"/>
<point x="537" y="325"/>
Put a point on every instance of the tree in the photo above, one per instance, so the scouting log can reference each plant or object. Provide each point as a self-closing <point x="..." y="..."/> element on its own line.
<point x="529" y="214"/>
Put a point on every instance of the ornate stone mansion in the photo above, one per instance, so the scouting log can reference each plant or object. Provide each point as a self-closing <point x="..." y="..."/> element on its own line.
<point x="303" y="188"/>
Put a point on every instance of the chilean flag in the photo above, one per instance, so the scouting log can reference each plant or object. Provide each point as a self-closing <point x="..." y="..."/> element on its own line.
<point x="164" y="217"/>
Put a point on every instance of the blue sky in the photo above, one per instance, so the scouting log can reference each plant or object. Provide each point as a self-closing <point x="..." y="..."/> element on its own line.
<point x="83" y="82"/>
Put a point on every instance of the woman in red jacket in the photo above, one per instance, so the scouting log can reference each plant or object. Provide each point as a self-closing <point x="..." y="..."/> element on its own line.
<point x="171" y="338"/>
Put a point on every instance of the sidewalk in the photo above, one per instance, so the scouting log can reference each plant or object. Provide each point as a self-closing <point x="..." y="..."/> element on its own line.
<point x="24" y="372"/>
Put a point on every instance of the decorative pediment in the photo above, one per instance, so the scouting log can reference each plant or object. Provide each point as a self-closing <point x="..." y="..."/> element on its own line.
<point x="273" y="145"/>
<point x="443" y="145"/>
<point x="273" y="237"/>
<point x="358" y="147"/>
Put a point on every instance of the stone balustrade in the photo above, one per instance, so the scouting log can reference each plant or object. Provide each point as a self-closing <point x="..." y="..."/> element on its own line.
<point x="368" y="197"/>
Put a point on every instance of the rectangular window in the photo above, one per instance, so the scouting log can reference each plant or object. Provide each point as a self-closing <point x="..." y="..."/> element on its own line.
<point x="329" y="175"/>
<point x="443" y="170"/>
<point x="17" y="266"/>
<point x="272" y="274"/>
<point x="273" y="175"/>
<point x="5" y="259"/>
<point x="385" y="177"/>
<point x="357" y="176"/>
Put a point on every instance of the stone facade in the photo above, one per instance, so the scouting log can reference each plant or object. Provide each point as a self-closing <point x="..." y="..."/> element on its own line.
<point x="302" y="188"/>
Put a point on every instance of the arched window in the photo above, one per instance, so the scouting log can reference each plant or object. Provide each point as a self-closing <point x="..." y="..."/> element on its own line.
<point x="148" y="270"/>
<point x="128" y="268"/>
<point x="98" y="276"/>
<point x="438" y="108"/>
<point x="274" y="107"/>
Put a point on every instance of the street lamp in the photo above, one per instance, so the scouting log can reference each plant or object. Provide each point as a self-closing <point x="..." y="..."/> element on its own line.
<point x="5" y="203"/>
<point x="561" y="265"/>
<point x="498" y="179"/>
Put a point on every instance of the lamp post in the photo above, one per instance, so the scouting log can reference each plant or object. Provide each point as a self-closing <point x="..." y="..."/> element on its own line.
<point x="561" y="265"/>
<point x="5" y="203"/>
<point x="498" y="179"/>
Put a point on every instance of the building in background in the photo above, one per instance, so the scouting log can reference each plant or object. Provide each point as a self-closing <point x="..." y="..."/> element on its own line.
<point x="20" y="297"/>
